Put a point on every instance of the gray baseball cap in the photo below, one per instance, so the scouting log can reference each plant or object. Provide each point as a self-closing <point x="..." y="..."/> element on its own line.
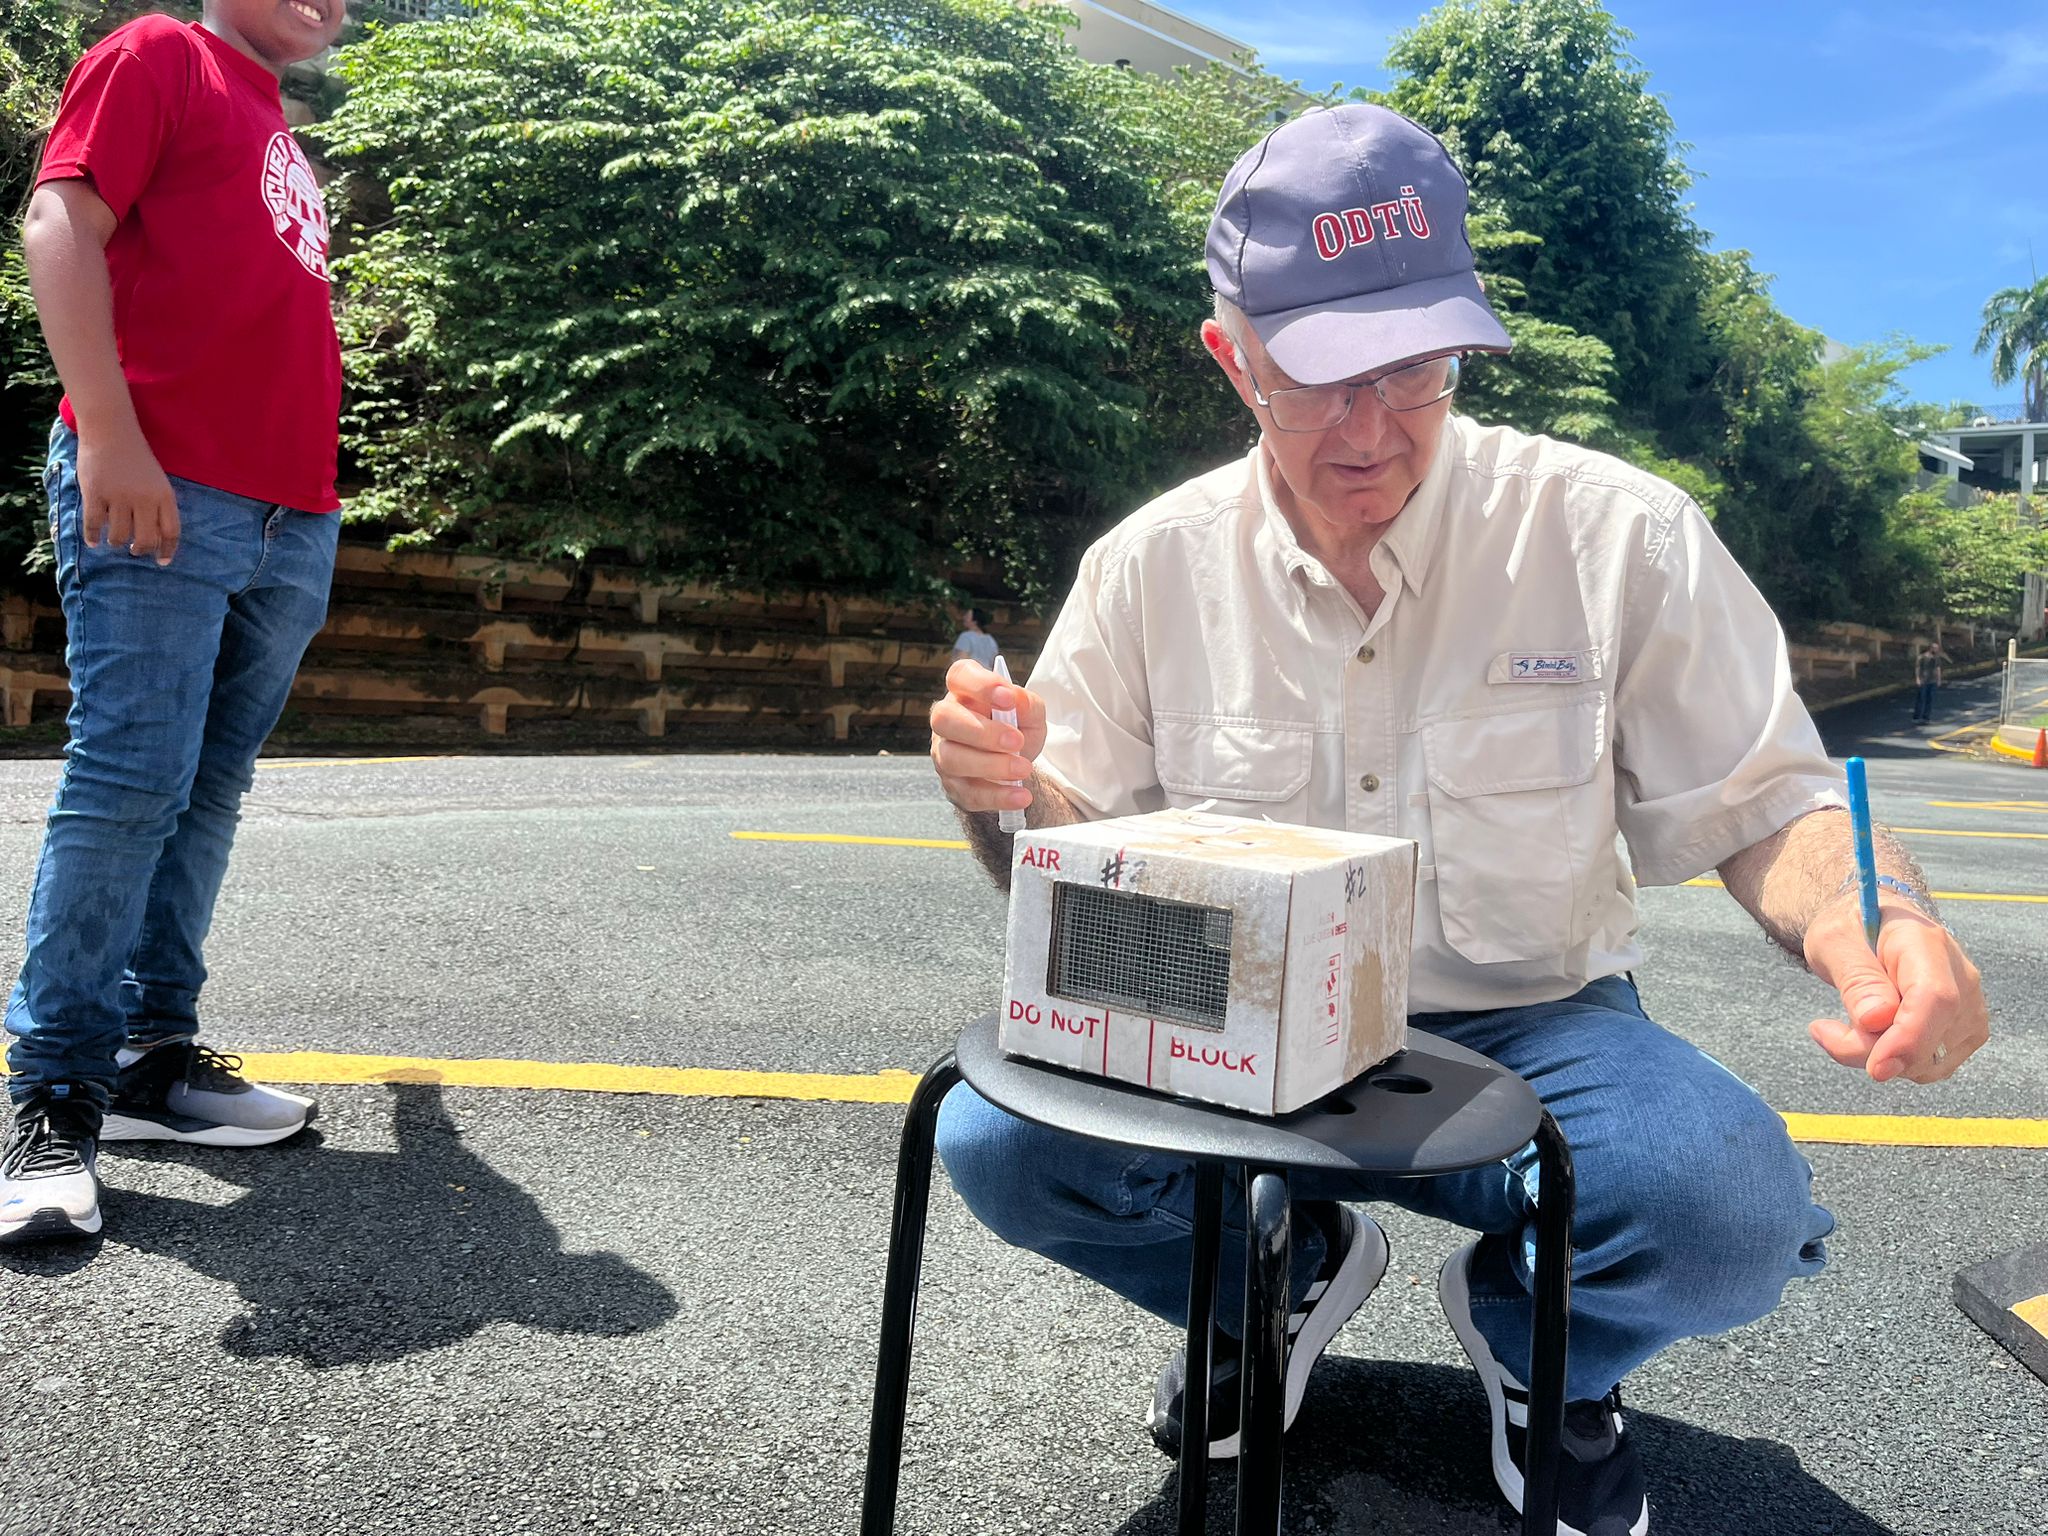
<point x="1341" y="235"/>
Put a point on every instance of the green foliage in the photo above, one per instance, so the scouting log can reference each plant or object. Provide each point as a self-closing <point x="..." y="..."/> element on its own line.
<point x="774" y="292"/>
<point x="1711" y="385"/>
<point x="841" y="291"/>
<point x="1562" y="140"/>
<point x="1809" y="452"/>
<point x="1926" y="417"/>
<point x="1556" y="381"/>
<point x="1969" y="562"/>
<point x="2015" y="333"/>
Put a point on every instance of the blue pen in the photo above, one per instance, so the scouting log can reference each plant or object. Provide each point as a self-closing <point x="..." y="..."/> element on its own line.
<point x="1866" y="852"/>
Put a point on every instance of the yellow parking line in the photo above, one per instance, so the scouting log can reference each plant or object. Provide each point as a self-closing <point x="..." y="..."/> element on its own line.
<point x="1950" y="832"/>
<point x="1937" y="895"/>
<point x="887" y="1087"/>
<point x="891" y="1086"/>
<point x="1917" y="1131"/>
<point x="2038" y="807"/>
<point x="1969" y="728"/>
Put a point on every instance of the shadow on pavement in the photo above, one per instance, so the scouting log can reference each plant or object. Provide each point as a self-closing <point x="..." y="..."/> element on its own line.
<point x="351" y="1257"/>
<point x="1884" y="728"/>
<point x="1401" y="1449"/>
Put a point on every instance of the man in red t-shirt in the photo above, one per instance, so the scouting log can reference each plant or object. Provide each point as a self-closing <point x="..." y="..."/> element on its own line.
<point x="177" y="251"/>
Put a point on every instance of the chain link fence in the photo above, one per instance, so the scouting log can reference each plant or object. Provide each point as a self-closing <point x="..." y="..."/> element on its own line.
<point x="2025" y="699"/>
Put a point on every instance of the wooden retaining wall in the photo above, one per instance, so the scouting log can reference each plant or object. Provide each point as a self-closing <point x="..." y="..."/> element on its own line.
<point x="1841" y="650"/>
<point x="497" y="642"/>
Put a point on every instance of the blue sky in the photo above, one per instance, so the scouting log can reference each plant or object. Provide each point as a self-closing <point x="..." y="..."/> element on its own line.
<point x="1884" y="161"/>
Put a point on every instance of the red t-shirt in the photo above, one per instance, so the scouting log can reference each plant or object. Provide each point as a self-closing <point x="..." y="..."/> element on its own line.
<point x="219" y="264"/>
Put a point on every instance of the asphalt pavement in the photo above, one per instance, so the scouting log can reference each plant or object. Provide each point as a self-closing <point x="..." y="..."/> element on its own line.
<point x="494" y="1310"/>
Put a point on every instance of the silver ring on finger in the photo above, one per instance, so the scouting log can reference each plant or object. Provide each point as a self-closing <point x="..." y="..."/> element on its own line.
<point x="1940" y="1054"/>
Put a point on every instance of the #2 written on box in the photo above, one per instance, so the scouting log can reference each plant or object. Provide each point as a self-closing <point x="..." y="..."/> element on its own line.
<point x="1246" y="963"/>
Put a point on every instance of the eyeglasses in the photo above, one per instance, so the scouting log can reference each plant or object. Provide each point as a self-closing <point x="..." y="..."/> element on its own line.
<point x="1316" y="407"/>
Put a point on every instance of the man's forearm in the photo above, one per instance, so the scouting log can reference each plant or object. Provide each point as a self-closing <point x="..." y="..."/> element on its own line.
<point x="993" y="846"/>
<point x="1789" y="876"/>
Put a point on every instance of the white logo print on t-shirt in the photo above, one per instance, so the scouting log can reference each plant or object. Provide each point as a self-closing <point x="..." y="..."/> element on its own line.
<point x="293" y="197"/>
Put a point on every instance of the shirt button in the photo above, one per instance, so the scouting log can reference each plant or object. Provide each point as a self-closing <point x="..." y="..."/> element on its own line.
<point x="1365" y="653"/>
<point x="1370" y="783"/>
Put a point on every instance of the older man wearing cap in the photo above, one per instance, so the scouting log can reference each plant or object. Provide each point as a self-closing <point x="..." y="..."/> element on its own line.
<point x="1519" y="654"/>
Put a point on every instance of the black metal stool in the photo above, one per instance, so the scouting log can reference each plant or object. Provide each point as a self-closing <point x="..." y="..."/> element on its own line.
<point x="1435" y="1108"/>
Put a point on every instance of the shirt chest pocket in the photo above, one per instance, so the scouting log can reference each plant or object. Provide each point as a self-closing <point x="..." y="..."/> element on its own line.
<point x="1248" y="769"/>
<point x="1521" y="820"/>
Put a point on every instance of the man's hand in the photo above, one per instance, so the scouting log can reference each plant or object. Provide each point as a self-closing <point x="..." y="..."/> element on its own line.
<point x="1915" y="1008"/>
<point x="982" y="765"/>
<point x="127" y="497"/>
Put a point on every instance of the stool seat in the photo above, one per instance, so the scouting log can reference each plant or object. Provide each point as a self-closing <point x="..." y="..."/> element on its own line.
<point x="1433" y="1108"/>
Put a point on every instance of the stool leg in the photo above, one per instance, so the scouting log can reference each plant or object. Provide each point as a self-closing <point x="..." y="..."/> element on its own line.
<point x="899" y="1297"/>
<point x="1194" y="1410"/>
<point x="1262" y="1414"/>
<point x="1555" y="1195"/>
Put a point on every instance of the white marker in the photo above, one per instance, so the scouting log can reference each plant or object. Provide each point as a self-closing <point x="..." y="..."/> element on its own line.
<point x="1008" y="821"/>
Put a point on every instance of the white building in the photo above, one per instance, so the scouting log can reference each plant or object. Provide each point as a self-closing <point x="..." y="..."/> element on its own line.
<point x="2000" y="451"/>
<point x="1133" y="34"/>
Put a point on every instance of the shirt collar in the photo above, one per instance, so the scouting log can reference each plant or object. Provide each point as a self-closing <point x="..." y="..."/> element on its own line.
<point x="1412" y="541"/>
<point x="1293" y="558"/>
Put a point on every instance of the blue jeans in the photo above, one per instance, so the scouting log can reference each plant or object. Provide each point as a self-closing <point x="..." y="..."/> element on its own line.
<point x="1694" y="1208"/>
<point x="1923" y="702"/>
<point x="178" y="672"/>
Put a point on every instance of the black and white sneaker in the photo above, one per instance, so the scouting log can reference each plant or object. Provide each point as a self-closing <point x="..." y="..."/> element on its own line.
<point x="1353" y="1263"/>
<point x="1601" y="1490"/>
<point x="184" y="1091"/>
<point x="49" y="1180"/>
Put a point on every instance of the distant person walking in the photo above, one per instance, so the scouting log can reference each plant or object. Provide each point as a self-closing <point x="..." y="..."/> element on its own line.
<point x="975" y="642"/>
<point x="1927" y="674"/>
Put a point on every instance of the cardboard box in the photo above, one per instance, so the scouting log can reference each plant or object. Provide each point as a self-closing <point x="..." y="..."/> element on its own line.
<point x="1246" y="963"/>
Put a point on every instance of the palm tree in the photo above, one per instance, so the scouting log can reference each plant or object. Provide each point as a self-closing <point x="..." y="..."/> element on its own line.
<point x="2015" y="333"/>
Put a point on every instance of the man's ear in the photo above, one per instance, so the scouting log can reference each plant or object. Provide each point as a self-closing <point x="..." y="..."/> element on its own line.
<point x="1220" y="347"/>
<point x="1224" y="350"/>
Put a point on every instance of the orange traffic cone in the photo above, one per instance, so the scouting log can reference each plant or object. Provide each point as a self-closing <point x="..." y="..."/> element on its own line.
<point x="2041" y="749"/>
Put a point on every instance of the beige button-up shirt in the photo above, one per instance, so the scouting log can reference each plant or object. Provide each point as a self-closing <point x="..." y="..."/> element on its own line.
<point x="1569" y="688"/>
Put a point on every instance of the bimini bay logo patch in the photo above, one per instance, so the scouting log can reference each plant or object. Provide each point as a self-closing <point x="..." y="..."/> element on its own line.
<point x="291" y="194"/>
<point x="1339" y="232"/>
<point x="1527" y="668"/>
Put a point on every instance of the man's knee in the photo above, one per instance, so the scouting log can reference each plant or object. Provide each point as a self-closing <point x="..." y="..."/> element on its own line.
<point x="1038" y="1188"/>
<point x="1729" y="1214"/>
<point x="988" y="1156"/>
